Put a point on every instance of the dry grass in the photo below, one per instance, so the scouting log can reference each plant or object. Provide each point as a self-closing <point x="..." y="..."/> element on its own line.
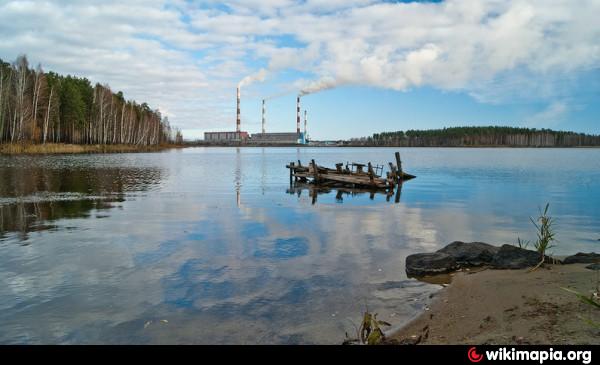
<point x="57" y="148"/>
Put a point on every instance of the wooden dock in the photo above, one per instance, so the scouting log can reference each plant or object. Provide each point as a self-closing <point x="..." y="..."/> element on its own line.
<point x="350" y="175"/>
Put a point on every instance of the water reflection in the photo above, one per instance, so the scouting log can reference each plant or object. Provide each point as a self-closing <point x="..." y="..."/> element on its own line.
<point x="204" y="246"/>
<point x="238" y="175"/>
<point x="34" y="196"/>
<point x="297" y="187"/>
<point x="24" y="218"/>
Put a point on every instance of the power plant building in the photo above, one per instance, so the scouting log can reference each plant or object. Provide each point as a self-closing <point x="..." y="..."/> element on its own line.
<point x="225" y="136"/>
<point x="278" y="138"/>
<point x="282" y="138"/>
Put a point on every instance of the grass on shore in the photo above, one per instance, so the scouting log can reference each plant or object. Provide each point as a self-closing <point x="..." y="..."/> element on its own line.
<point x="55" y="148"/>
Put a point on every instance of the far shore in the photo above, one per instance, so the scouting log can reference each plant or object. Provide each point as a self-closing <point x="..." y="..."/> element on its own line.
<point x="64" y="148"/>
<point x="500" y="307"/>
<point x="324" y="145"/>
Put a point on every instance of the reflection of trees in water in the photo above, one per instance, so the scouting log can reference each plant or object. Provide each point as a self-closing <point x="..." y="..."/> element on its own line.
<point x="31" y="197"/>
<point x="16" y="182"/>
<point x="30" y="217"/>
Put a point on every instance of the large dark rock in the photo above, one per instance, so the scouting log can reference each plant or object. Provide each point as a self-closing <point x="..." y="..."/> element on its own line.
<point x="513" y="257"/>
<point x="595" y="267"/>
<point x="582" y="258"/>
<point x="469" y="254"/>
<point x="423" y="264"/>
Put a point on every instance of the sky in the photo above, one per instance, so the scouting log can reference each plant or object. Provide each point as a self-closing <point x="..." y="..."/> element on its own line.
<point x="363" y="66"/>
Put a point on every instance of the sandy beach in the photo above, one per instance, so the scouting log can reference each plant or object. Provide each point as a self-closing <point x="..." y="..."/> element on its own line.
<point x="510" y="307"/>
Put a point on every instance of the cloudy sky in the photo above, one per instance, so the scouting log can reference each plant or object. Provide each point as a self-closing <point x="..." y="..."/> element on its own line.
<point x="365" y="65"/>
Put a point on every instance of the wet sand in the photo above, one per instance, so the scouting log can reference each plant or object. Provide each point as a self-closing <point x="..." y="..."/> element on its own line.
<point x="510" y="307"/>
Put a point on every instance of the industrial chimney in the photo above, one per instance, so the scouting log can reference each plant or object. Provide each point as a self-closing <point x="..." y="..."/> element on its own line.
<point x="238" y="119"/>
<point x="263" y="116"/>
<point x="298" y="115"/>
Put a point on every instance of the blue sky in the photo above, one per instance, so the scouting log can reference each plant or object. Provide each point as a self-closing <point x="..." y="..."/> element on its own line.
<point x="366" y="65"/>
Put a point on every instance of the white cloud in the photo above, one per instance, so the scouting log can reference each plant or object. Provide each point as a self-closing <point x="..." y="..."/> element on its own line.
<point x="551" y="116"/>
<point x="188" y="56"/>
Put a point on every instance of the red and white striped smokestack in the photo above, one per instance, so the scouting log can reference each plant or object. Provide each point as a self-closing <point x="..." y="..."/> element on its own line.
<point x="298" y="115"/>
<point x="238" y="120"/>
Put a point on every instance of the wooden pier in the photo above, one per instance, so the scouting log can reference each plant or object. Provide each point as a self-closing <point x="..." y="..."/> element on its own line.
<point x="350" y="175"/>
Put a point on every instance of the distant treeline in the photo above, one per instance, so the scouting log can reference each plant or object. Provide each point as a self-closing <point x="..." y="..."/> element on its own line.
<point x="479" y="136"/>
<point x="44" y="107"/>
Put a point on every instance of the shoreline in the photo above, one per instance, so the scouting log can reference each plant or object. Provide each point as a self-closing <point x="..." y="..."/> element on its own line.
<point x="13" y="149"/>
<point x="282" y="145"/>
<point x="499" y="307"/>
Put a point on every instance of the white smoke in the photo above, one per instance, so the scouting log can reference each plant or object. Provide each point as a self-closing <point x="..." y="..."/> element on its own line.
<point x="278" y="95"/>
<point x="256" y="77"/>
<point x="321" y="84"/>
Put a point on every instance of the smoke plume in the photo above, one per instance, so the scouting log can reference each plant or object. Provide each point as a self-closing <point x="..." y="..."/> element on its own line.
<point x="278" y="95"/>
<point x="324" y="83"/>
<point x="258" y="76"/>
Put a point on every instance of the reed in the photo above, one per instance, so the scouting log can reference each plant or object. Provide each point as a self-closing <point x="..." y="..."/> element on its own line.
<point x="60" y="148"/>
<point x="544" y="225"/>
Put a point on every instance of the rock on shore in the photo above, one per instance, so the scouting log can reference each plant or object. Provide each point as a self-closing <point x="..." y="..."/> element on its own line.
<point x="422" y="264"/>
<point x="472" y="253"/>
<point x="582" y="258"/>
<point x="459" y="254"/>
<point x="513" y="257"/>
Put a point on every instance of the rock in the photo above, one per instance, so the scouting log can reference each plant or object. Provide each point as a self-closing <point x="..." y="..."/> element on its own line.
<point x="422" y="264"/>
<point x="469" y="254"/>
<point x="582" y="258"/>
<point x="513" y="257"/>
<point x="595" y="266"/>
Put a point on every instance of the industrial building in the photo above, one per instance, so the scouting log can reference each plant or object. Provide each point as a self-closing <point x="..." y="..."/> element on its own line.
<point x="281" y="137"/>
<point x="278" y="138"/>
<point x="260" y="138"/>
<point x="225" y="136"/>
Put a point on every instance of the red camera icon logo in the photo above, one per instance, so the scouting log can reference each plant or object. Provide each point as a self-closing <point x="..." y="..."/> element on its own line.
<point x="473" y="355"/>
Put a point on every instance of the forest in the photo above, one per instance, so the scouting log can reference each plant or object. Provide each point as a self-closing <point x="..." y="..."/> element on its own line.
<point x="479" y="136"/>
<point x="44" y="107"/>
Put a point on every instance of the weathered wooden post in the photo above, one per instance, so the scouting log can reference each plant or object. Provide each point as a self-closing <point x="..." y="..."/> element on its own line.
<point x="399" y="166"/>
<point x="291" y="171"/>
<point x="393" y="174"/>
<point x="315" y="171"/>
<point x="371" y="172"/>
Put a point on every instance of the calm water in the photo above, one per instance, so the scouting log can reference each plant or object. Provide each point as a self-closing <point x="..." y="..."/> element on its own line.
<point x="212" y="246"/>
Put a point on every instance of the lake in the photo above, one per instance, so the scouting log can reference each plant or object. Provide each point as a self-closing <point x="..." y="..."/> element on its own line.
<point x="213" y="245"/>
